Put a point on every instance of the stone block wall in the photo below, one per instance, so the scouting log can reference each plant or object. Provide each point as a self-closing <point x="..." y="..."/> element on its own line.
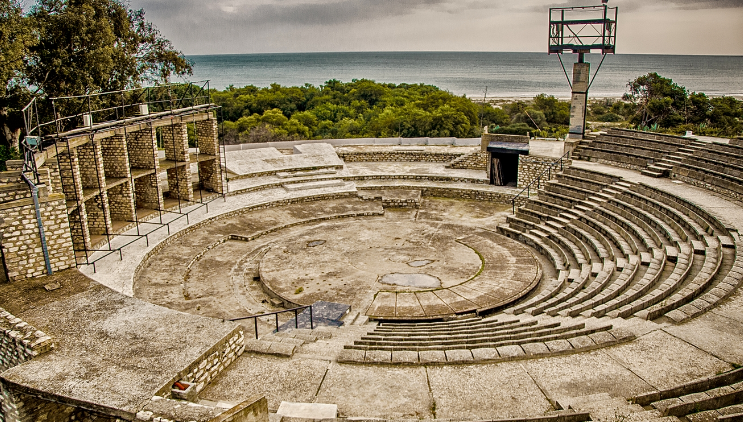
<point x="410" y="156"/>
<point x="474" y="161"/>
<point x="213" y="362"/>
<point x="23" y="407"/>
<point x="147" y="191"/>
<point x="99" y="217"/>
<point x="21" y="243"/>
<point x="90" y="160"/>
<point x="121" y="202"/>
<point x="115" y="157"/>
<point x="19" y="342"/>
<point x="166" y="410"/>
<point x="179" y="183"/>
<point x="175" y="142"/>
<point x="210" y="171"/>
<point x="531" y="166"/>
<point x="142" y="148"/>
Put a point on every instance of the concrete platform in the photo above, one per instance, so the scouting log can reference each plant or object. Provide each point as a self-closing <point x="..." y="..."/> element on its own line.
<point x="112" y="351"/>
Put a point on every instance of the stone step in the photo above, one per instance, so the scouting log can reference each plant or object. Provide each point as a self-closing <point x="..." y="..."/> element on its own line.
<point x="653" y="173"/>
<point x="305" y="173"/>
<point x="317" y="184"/>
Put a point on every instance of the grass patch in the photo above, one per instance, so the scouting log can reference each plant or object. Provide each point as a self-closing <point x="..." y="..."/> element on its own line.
<point x="299" y="290"/>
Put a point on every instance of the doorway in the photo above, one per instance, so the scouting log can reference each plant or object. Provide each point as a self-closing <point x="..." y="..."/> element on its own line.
<point x="504" y="169"/>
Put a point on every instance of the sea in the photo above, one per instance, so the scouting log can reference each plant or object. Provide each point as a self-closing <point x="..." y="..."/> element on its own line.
<point x="474" y="74"/>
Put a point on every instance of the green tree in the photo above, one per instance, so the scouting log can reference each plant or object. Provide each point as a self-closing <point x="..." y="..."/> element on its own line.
<point x="74" y="47"/>
<point x="658" y="100"/>
<point x="16" y="37"/>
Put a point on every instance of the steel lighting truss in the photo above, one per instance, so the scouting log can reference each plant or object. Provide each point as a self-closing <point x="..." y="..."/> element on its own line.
<point x="583" y="29"/>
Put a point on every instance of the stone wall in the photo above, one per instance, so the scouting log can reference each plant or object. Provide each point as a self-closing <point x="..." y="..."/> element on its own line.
<point x="531" y="166"/>
<point x="19" y="342"/>
<point x="213" y="362"/>
<point x="392" y="155"/>
<point x="210" y="171"/>
<point x="166" y="410"/>
<point x="21" y="243"/>
<point x="474" y="161"/>
<point x="27" y="408"/>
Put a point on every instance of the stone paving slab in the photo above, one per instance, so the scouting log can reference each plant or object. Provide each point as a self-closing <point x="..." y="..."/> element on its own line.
<point x="377" y="392"/>
<point x="279" y="379"/>
<point x="500" y="391"/>
<point x="665" y="361"/>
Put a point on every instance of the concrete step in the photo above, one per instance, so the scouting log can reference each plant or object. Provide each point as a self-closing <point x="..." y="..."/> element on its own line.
<point x="318" y="184"/>
<point x="305" y="173"/>
<point x="652" y="173"/>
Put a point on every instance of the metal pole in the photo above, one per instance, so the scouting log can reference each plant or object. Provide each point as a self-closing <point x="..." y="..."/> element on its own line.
<point x="39" y="222"/>
<point x="296" y="319"/>
<point x="255" y="320"/>
<point x="312" y="324"/>
<point x="277" y="321"/>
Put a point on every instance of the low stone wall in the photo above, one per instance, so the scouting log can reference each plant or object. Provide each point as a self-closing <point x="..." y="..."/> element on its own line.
<point x="458" y="193"/>
<point x="166" y="410"/>
<point x="19" y="342"/>
<point x="28" y="408"/>
<point x="392" y="155"/>
<point x="474" y="161"/>
<point x="211" y="363"/>
<point x="532" y="166"/>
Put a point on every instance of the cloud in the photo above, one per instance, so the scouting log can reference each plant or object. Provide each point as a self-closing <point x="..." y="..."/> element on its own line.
<point x="633" y="5"/>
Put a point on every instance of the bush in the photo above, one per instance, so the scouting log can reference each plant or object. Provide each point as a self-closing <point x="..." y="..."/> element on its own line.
<point x="514" y="129"/>
<point x="609" y="117"/>
<point x="7" y="153"/>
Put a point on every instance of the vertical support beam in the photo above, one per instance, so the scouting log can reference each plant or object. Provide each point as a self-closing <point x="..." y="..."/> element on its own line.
<point x="175" y="141"/>
<point x="579" y="101"/>
<point x="210" y="170"/>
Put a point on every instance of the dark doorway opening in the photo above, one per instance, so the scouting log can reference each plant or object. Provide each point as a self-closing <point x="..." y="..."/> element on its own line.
<point x="504" y="169"/>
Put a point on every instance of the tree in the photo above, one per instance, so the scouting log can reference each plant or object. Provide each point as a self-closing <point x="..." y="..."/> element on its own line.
<point x="16" y="37"/>
<point x="84" y="46"/>
<point x="658" y="100"/>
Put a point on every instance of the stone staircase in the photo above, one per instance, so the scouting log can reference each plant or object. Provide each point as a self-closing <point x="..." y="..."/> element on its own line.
<point x="716" y="398"/>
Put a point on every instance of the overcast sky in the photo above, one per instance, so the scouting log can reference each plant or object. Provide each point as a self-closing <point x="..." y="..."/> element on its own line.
<point x="281" y="26"/>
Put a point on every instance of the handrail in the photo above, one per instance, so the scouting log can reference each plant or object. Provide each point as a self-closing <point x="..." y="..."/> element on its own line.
<point x="296" y="319"/>
<point x="548" y="170"/>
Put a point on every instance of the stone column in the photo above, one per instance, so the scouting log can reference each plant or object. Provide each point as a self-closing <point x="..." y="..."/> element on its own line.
<point x="175" y="141"/>
<point x="210" y="170"/>
<point x="116" y="166"/>
<point x="94" y="180"/>
<point x="578" y="104"/>
<point x="72" y="187"/>
<point x="142" y="152"/>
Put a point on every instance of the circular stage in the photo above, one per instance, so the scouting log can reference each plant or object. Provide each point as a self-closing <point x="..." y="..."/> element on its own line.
<point x="405" y="269"/>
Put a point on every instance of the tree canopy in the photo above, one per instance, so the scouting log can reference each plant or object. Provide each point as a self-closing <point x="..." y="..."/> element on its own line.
<point x="360" y="108"/>
<point x="659" y="102"/>
<point x="74" y="47"/>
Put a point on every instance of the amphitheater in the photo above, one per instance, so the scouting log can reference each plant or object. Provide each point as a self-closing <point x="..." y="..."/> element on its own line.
<point x="600" y="285"/>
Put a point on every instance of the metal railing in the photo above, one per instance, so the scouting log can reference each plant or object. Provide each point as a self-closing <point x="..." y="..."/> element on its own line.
<point x="53" y="116"/>
<point x="538" y="179"/>
<point x="276" y="315"/>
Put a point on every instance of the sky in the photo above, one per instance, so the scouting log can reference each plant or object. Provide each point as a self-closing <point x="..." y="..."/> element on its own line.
<point x="712" y="27"/>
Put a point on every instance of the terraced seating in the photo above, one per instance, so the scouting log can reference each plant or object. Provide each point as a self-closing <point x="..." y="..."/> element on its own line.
<point x="476" y="339"/>
<point x="627" y="249"/>
<point x="652" y="153"/>
<point x="716" y="398"/>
